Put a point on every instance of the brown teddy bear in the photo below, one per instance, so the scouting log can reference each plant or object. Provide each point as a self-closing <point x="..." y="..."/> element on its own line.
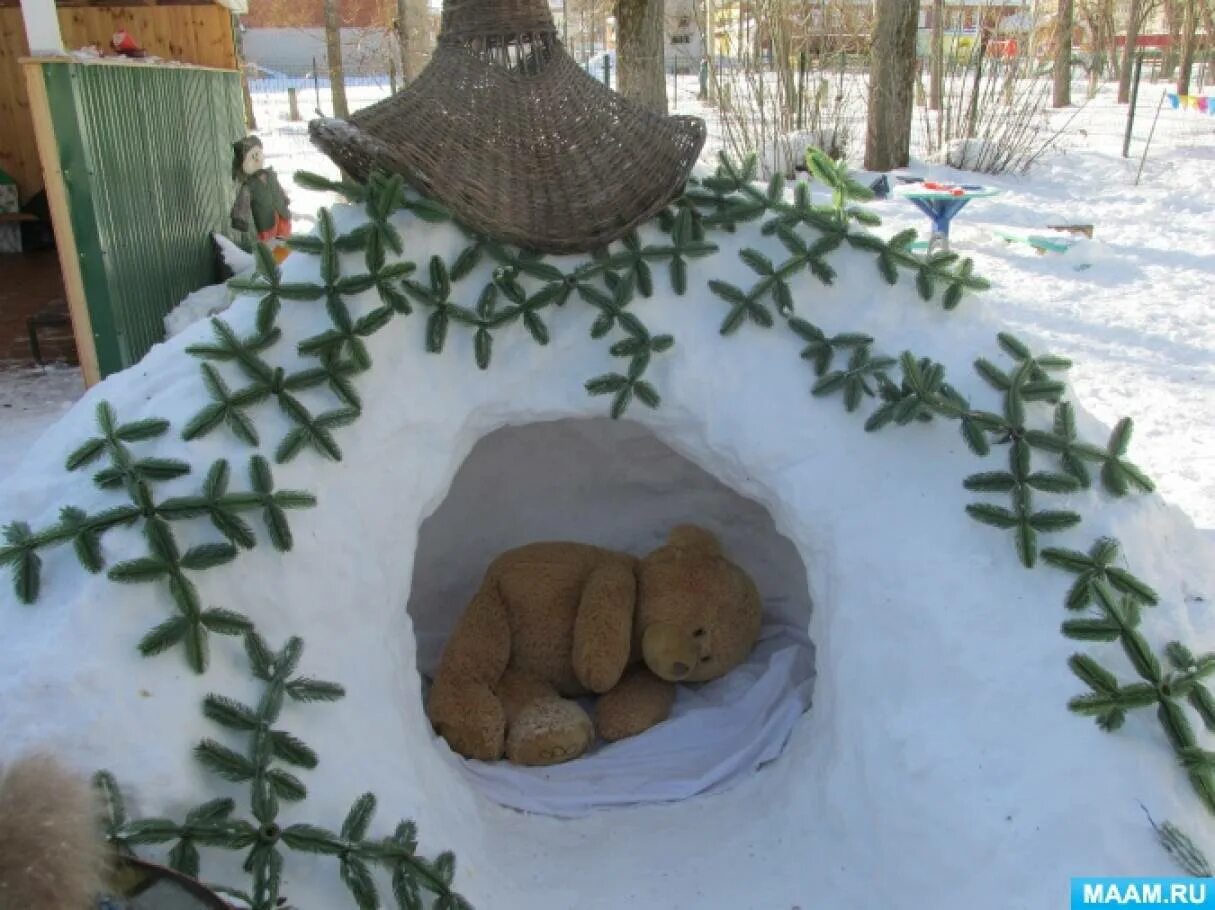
<point x="553" y="621"/>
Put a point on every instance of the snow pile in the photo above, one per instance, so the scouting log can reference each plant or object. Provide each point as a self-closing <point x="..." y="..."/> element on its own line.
<point x="786" y="154"/>
<point x="212" y="299"/>
<point x="906" y="776"/>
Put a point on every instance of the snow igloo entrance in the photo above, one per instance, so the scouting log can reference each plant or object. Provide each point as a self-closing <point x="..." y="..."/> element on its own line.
<point x="615" y="484"/>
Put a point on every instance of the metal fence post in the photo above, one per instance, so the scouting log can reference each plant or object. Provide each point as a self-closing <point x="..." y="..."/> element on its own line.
<point x="607" y="70"/>
<point x="1130" y="114"/>
<point x="801" y="87"/>
<point x="1151" y="136"/>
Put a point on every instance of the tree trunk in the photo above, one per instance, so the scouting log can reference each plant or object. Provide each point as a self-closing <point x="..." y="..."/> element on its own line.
<point x="891" y="85"/>
<point x="238" y="41"/>
<point x="936" y="95"/>
<point x="640" y="74"/>
<point x="1172" y="17"/>
<point x="403" y="39"/>
<point x="1189" y="38"/>
<point x="1130" y="51"/>
<point x="333" y="53"/>
<point x="1063" y="54"/>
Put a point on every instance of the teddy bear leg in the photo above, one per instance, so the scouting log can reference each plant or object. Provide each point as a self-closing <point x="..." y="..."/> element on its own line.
<point x="542" y="728"/>
<point x="462" y="705"/>
<point x="640" y="701"/>
<point x="470" y="717"/>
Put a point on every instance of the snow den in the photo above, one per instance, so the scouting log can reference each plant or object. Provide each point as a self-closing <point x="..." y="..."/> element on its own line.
<point x="615" y="484"/>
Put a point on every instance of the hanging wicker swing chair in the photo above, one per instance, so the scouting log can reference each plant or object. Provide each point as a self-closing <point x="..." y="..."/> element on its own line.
<point x="507" y="131"/>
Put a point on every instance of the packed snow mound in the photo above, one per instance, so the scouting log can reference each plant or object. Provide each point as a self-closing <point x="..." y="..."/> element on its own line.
<point x="212" y="299"/>
<point x="939" y="765"/>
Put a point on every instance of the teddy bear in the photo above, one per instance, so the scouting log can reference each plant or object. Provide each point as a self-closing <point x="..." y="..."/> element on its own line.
<point x="552" y="622"/>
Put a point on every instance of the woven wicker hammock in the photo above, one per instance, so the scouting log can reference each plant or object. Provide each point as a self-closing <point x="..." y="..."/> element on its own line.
<point x="509" y="133"/>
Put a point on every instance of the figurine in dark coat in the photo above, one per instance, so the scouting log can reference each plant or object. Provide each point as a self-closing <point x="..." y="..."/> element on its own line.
<point x="261" y="205"/>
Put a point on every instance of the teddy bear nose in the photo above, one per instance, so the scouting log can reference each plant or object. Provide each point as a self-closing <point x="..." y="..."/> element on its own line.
<point x="669" y="651"/>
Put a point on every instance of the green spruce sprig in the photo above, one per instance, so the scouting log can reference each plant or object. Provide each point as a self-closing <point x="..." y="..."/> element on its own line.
<point x="687" y="242"/>
<point x="165" y="562"/>
<point x="1177" y="844"/>
<point x="267" y="284"/>
<point x="1020" y="482"/>
<point x="844" y="188"/>
<point x="1097" y="567"/>
<point x="265" y="843"/>
<point x="266" y="381"/>
<point x="730" y="197"/>
<point x="1168" y="685"/>
<point x="916" y="397"/>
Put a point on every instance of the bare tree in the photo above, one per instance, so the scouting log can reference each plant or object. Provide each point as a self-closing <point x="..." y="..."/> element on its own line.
<point x="891" y="84"/>
<point x="333" y="51"/>
<point x="239" y="41"/>
<point x="937" y="91"/>
<point x="1098" y="19"/>
<point x="1189" y="39"/>
<point x="1064" y="20"/>
<point x="402" y="30"/>
<point x="640" y="42"/>
<point x="1173" y="16"/>
<point x="1134" y="21"/>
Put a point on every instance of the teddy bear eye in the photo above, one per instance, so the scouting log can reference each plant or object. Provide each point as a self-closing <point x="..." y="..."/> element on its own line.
<point x="705" y="659"/>
<point x="698" y="633"/>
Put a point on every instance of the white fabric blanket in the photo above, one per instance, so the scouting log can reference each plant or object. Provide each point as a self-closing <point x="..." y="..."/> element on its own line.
<point x="718" y="732"/>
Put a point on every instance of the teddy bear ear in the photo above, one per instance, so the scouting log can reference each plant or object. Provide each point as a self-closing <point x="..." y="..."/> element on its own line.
<point x="695" y="539"/>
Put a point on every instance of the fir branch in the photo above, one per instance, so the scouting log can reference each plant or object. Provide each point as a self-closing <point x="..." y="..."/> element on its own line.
<point x="265" y="844"/>
<point x="1181" y="848"/>
<point x="733" y="199"/>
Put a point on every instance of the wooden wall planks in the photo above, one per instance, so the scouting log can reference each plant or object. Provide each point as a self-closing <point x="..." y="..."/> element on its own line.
<point x="199" y="33"/>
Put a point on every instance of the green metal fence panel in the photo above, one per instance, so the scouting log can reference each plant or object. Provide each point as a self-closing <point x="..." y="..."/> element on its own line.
<point x="146" y="153"/>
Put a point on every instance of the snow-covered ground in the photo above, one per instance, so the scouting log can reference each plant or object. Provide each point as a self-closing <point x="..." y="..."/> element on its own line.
<point x="30" y="399"/>
<point x="1137" y="321"/>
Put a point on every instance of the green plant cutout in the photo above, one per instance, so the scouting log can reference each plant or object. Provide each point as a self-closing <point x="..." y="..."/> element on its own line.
<point x="350" y="189"/>
<point x="267" y="284"/>
<point x="263" y="766"/>
<point x="634" y="260"/>
<point x="1118" y="474"/>
<point x="267" y="381"/>
<point x="1117" y="619"/>
<point x="1096" y="567"/>
<point x="1019" y="482"/>
<point x="854" y="379"/>
<point x="730" y="197"/>
<point x="844" y="189"/>
<point x="820" y="350"/>
<point x="1183" y="851"/>
<point x="1072" y="452"/>
<point x="165" y="561"/>
<point x="774" y="280"/>
<point x="916" y="397"/>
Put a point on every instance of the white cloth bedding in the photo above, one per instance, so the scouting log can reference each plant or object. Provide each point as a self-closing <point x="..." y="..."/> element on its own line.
<point x="718" y="733"/>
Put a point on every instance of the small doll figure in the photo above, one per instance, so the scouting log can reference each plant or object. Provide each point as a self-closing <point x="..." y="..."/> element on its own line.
<point x="261" y="205"/>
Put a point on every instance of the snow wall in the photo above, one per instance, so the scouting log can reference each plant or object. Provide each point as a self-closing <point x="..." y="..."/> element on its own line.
<point x="938" y="766"/>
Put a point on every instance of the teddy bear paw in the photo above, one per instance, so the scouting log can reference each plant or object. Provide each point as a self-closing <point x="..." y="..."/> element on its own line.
<point x="548" y="733"/>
